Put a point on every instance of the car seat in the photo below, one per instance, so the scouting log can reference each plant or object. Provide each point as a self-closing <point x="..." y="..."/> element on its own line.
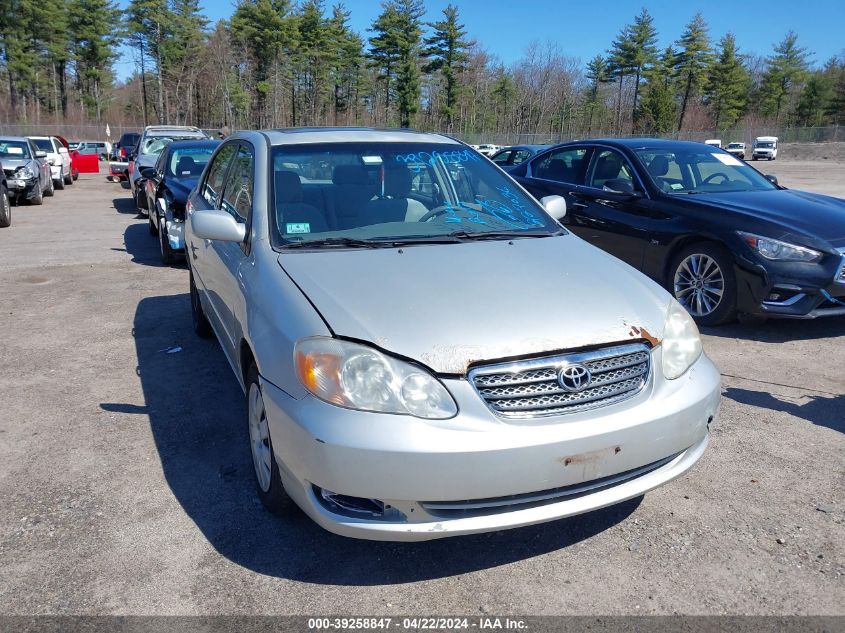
<point x="395" y="205"/>
<point x="289" y="206"/>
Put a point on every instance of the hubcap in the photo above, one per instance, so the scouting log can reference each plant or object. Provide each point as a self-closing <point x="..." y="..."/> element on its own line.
<point x="699" y="284"/>
<point x="259" y="438"/>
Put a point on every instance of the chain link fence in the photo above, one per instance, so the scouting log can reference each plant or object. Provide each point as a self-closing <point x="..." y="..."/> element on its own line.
<point x="747" y="134"/>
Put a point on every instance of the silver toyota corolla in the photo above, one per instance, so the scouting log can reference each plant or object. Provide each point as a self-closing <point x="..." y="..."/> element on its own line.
<point x="424" y="350"/>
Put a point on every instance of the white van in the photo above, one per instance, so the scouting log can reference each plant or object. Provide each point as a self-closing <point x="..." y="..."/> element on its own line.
<point x="715" y="142"/>
<point x="765" y="147"/>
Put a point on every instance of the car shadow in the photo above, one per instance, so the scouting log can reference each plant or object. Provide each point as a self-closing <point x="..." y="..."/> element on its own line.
<point x="197" y="415"/>
<point x="819" y="410"/>
<point x="125" y="205"/>
<point x="781" y="330"/>
<point x="144" y="248"/>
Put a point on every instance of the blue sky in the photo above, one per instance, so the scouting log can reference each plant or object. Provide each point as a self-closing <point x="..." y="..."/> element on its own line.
<point x="583" y="28"/>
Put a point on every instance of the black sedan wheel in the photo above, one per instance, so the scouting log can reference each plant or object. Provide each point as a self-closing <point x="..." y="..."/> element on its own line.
<point x="168" y="257"/>
<point x="703" y="282"/>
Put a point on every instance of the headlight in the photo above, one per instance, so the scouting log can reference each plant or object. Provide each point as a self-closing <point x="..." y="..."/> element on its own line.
<point x="681" y="342"/>
<point x="359" y="377"/>
<point x="779" y="251"/>
<point x="24" y="172"/>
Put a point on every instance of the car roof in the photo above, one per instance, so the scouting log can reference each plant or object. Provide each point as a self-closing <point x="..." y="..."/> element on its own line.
<point x="294" y="136"/>
<point x="193" y="143"/>
<point x="20" y="139"/>
<point x="171" y="128"/>
<point x="40" y="138"/>
<point x="529" y="147"/>
<point x="641" y="143"/>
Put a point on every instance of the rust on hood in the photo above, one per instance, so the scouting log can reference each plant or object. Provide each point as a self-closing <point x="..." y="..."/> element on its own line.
<point x="641" y="332"/>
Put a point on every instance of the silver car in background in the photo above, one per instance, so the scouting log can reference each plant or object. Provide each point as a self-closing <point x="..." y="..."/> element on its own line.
<point x="424" y="350"/>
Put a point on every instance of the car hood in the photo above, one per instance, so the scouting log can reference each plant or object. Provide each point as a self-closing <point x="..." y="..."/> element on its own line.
<point x="15" y="163"/>
<point x="800" y="213"/>
<point x="449" y="306"/>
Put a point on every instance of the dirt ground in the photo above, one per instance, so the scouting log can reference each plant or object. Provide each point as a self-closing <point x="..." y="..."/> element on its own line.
<point x="127" y="487"/>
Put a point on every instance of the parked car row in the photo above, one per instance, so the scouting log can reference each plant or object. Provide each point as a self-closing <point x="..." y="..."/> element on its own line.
<point x="33" y="168"/>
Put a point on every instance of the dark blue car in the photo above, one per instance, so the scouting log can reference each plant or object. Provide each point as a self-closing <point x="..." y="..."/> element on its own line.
<point x="168" y="185"/>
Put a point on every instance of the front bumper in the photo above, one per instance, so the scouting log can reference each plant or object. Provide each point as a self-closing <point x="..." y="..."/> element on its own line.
<point x="476" y="463"/>
<point x="21" y="187"/>
<point x="790" y="292"/>
<point x="56" y="172"/>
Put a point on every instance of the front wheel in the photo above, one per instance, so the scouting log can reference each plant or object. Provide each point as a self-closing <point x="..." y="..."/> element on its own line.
<point x="168" y="257"/>
<point x="51" y="189"/>
<point x="60" y="182"/>
<point x="703" y="281"/>
<point x="202" y="327"/>
<point x="69" y="178"/>
<point x="37" y="196"/>
<point x="268" y="479"/>
<point x="5" y="209"/>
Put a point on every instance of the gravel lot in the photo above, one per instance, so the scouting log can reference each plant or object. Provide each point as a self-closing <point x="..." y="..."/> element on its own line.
<point x="126" y="480"/>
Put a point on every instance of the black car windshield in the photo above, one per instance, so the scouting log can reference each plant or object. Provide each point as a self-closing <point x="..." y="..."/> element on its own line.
<point x="155" y="144"/>
<point x="385" y="192"/>
<point x="187" y="163"/>
<point x="14" y="150"/>
<point x="44" y="144"/>
<point x="686" y="171"/>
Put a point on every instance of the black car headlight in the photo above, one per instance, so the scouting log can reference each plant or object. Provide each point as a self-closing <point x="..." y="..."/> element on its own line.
<point x="776" y="250"/>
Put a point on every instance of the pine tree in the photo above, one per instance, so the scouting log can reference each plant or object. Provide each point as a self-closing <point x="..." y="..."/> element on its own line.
<point x="643" y="51"/>
<point x="786" y="71"/>
<point x="446" y="50"/>
<point x="726" y="89"/>
<point x="597" y="74"/>
<point x="619" y="66"/>
<point x="657" y="110"/>
<point x="692" y="62"/>
<point x="346" y="59"/>
<point x="93" y="25"/>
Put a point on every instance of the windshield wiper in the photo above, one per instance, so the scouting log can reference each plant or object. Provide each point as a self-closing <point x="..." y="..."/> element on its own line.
<point x="340" y="242"/>
<point x="498" y="235"/>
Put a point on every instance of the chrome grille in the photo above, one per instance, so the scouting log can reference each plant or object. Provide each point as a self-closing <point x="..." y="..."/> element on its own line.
<point x="840" y="277"/>
<point x="528" y="389"/>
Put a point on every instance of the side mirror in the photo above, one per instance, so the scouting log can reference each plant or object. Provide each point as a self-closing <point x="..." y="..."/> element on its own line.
<point x="555" y="206"/>
<point x="214" y="224"/>
<point x="148" y="172"/>
<point x="772" y="179"/>
<point x="619" y="185"/>
<point x="40" y="154"/>
<point x="63" y="150"/>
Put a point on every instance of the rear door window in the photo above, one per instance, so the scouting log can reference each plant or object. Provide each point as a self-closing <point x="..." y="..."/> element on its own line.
<point x="564" y="165"/>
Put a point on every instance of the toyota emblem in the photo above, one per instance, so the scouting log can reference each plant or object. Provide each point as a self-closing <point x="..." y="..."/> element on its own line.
<point x="574" y="378"/>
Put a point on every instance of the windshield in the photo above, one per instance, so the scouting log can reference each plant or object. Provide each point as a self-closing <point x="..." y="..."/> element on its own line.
<point x="765" y="144"/>
<point x="14" y="150"/>
<point x="374" y="192"/>
<point x="154" y="144"/>
<point x="44" y="144"/>
<point x="735" y="146"/>
<point x="187" y="163"/>
<point x="686" y="171"/>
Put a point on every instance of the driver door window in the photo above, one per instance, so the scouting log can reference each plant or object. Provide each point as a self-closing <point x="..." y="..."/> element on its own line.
<point x="213" y="185"/>
<point x="609" y="165"/>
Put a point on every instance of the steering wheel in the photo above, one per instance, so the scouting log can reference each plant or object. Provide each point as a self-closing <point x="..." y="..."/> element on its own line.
<point x="443" y="209"/>
<point x="725" y="178"/>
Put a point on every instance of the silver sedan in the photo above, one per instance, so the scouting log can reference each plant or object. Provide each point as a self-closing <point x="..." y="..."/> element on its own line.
<point x="424" y="350"/>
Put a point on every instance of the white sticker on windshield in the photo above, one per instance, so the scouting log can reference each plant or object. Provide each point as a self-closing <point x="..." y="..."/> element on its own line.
<point x="298" y="227"/>
<point x="14" y="150"/>
<point x="728" y="159"/>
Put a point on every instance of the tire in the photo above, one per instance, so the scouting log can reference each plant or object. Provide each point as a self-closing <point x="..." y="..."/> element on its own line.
<point x="268" y="479"/>
<point x="753" y="158"/>
<point x="202" y="327"/>
<point x="151" y="226"/>
<point x="69" y="178"/>
<point x="38" y="198"/>
<point x="168" y="257"/>
<point x="5" y="209"/>
<point x="60" y="183"/>
<point x="702" y="279"/>
<point x="51" y="189"/>
<point x="76" y="174"/>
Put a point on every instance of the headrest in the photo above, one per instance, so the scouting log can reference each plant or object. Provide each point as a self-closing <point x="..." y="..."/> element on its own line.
<point x="609" y="167"/>
<point x="185" y="166"/>
<point x="350" y="175"/>
<point x="658" y="166"/>
<point x="288" y="187"/>
<point x="397" y="182"/>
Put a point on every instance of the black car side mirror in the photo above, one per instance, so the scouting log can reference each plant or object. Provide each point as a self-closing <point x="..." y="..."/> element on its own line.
<point x="619" y="185"/>
<point x="148" y="172"/>
<point x="772" y="179"/>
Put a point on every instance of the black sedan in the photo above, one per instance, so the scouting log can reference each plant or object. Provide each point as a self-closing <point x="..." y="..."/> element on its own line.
<point x="724" y="239"/>
<point x="510" y="157"/>
<point x="168" y="185"/>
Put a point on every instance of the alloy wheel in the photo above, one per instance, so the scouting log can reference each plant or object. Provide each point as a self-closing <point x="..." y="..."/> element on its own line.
<point x="699" y="284"/>
<point x="259" y="438"/>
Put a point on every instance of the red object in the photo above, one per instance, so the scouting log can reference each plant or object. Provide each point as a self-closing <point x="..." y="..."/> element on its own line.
<point x="122" y="153"/>
<point x="87" y="163"/>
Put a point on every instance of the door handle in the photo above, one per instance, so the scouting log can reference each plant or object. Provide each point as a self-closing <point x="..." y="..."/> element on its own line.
<point x="578" y="205"/>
